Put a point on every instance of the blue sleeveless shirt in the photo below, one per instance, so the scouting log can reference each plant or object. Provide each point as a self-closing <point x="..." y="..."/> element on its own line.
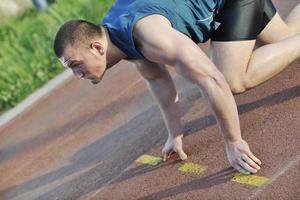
<point x="193" y="18"/>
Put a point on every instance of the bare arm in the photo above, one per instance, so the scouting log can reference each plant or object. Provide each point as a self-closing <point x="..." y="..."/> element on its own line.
<point x="163" y="90"/>
<point x="175" y="49"/>
<point x="160" y="43"/>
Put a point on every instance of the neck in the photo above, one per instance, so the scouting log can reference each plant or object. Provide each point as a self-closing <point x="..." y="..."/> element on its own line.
<point x="113" y="54"/>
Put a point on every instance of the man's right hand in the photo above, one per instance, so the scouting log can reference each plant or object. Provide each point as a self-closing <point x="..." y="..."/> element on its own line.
<point x="174" y="145"/>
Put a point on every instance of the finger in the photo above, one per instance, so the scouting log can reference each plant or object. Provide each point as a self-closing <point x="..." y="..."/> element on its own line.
<point x="165" y="155"/>
<point x="250" y="154"/>
<point x="250" y="162"/>
<point x="182" y="155"/>
<point x="241" y="169"/>
<point x="246" y="166"/>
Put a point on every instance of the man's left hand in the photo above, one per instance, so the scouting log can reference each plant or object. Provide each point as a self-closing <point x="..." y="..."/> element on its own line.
<point x="241" y="158"/>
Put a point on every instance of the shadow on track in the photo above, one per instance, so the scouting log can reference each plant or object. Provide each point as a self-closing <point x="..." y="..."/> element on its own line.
<point x="117" y="150"/>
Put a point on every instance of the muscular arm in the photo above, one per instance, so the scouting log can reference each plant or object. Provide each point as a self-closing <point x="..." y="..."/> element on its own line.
<point x="160" y="43"/>
<point x="163" y="90"/>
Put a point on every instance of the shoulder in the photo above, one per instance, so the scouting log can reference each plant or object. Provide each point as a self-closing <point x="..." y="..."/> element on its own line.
<point x="159" y="42"/>
<point x="155" y="38"/>
<point x="116" y="10"/>
<point x="150" y="29"/>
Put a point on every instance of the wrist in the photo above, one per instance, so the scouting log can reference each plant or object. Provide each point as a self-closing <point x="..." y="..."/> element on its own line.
<point x="233" y="140"/>
<point x="172" y="137"/>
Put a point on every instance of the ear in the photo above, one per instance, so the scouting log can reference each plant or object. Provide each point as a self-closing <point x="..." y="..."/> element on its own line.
<point x="98" y="47"/>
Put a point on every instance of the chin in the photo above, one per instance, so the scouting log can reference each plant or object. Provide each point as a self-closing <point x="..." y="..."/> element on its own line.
<point x="95" y="82"/>
<point x="95" y="79"/>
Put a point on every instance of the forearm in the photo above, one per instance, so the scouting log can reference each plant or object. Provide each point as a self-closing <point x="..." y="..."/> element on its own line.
<point x="216" y="91"/>
<point x="221" y="100"/>
<point x="164" y="92"/>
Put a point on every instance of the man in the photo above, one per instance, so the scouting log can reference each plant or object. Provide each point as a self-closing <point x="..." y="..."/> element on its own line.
<point x="153" y="34"/>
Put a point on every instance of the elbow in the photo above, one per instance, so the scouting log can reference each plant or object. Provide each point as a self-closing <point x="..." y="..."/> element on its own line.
<point x="215" y="83"/>
<point x="220" y="81"/>
<point x="201" y="71"/>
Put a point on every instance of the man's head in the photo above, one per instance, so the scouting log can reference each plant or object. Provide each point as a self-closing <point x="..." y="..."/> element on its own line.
<point x="80" y="46"/>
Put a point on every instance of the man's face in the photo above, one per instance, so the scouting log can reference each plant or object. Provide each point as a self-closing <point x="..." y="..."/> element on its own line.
<point x="86" y="63"/>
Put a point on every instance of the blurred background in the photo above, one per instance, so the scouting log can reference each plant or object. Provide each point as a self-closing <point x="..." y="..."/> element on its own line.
<point x="27" y="30"/>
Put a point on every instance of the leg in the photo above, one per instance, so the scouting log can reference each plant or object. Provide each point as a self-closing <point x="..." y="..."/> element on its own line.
<point x="277" y="29"/>
<point x="293" y="19"/>
<point x="250" y="68"/>
<point x="164" y="92"/>
<point x="232" y="65"/>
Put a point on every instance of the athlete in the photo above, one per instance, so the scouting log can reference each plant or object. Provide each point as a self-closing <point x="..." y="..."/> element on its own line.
<point x="153" y="34"/>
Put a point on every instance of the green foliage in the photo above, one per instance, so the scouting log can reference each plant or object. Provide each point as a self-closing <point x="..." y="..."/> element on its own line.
<point x="27" y="60"/>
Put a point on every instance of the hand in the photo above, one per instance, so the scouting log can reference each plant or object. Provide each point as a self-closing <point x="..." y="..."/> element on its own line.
<point x="241" y="158"/>
<point x="174" y="145"/>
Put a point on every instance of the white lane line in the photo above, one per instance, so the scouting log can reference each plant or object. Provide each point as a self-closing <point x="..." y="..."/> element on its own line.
<point x="33" y="98"/>
<point x="276" y="176"/>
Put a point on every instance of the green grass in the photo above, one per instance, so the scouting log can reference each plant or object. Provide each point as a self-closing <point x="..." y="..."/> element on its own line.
<point x="27" y="60"/>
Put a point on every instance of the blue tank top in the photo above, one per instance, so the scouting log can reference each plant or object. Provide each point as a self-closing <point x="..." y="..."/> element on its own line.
<point x="193" y="18"/>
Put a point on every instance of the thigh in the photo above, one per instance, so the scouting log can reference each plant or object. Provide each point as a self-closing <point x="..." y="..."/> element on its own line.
<point x="241" y="21"/>
<point x="275" y="31"/>
<point x="232" y="58"/>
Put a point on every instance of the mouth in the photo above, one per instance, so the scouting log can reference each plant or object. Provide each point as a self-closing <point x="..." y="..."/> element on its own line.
<point x="83" y="75"/>
<point x="87" y="76"/>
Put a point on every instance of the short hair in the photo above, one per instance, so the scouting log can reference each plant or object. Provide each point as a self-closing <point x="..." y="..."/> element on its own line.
<point x="75" y="32"/>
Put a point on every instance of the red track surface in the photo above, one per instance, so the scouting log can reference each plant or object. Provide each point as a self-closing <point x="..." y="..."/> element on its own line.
<point x="80" y="142"/>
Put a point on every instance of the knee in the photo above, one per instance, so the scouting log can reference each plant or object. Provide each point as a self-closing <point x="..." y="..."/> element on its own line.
<point x="237" y="86"/>
<point x="237" y="89"/>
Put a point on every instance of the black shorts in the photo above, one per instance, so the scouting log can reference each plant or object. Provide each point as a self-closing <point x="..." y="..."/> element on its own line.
<point x="242" y="19"/>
